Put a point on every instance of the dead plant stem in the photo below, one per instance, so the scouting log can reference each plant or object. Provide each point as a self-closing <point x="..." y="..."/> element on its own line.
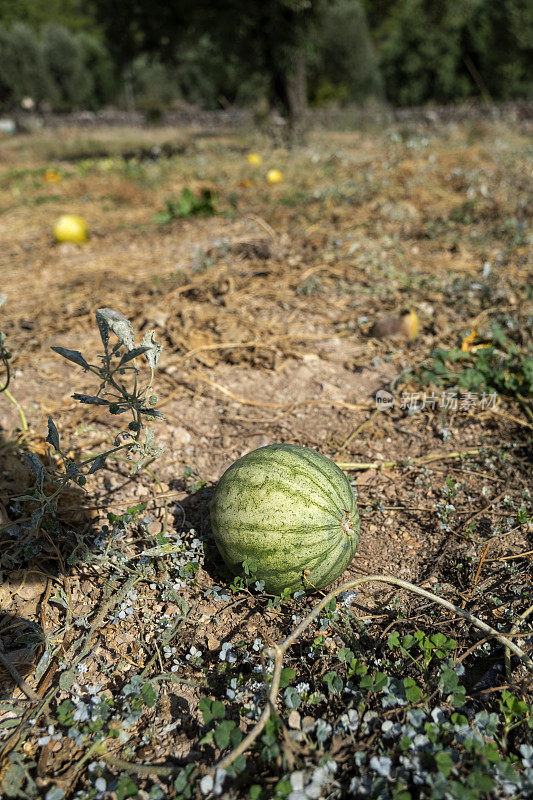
<point x="277" y="652"/>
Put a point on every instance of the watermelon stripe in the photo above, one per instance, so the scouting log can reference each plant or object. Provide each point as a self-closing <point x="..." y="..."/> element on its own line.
<point x="267" y="528"/>
<point x="341" y="497"/>
<point x="293" y="469"/>
<point x="288" y="492"/>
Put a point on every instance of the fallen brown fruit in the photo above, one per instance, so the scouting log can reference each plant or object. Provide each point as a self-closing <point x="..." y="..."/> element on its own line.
<point x="405" y="325"/>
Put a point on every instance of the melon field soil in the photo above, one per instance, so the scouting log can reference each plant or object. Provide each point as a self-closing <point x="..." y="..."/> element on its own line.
<point x="130" y="662"/>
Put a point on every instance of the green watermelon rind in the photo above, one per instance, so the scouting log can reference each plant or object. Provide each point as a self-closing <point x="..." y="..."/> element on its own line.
<point x="292" y="511"/>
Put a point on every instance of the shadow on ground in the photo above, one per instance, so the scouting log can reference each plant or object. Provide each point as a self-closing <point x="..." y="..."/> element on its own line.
<point x="33" y="556"/>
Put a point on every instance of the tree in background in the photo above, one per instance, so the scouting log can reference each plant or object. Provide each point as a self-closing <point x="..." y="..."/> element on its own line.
<point x="209" y="77"/>
<point x="214" y="53"/>
<point x="451" y="50"/>
<point x="64" y="59"/>
<point x="99" y="65"/>
<point x="23" y="71"/>
<point x="262" y="38"/>
<point x="500" y="48"/>
<point x="76" y="15"/>
<point x="342" y="61"/>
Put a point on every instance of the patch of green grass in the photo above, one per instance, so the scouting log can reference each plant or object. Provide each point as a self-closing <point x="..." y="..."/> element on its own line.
<point x="188" y="205"/>
<point x="499" y="366"/>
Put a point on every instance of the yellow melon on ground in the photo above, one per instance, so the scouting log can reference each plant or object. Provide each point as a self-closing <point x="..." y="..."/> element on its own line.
<point x="274" y="176"/>
<point x="71" y="228"/>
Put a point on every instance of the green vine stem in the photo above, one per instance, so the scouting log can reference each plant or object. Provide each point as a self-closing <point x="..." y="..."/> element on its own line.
<point x="17" y="405"/>
<point x="277" y="652"/>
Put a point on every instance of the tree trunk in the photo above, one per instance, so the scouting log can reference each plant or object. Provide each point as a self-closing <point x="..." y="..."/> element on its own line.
<point x="289" y="96"/>
<point x="297" y="98"/>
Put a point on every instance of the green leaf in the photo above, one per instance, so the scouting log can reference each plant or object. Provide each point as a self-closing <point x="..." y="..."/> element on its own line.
<point x="292" y="697"/>
<point x="345" y="654"/>
<point x="393" y="640"/>
<point x="334" y="682"/>
<point x="66" y="679"/>
<point x="211" y="709"/>
<point x="208" y="738"/>
<point x="480" y="781"/>
<point x="149" y="694"/>
<point x="287" y="675"/>
<point x="65" y="712"/>
<point x="381" y="681"/>
<point x="204" y="706"/>
<point x="448" y="681"/>
<point x="401" y="794"/>
<point x="218" y="709"/>
<point x="71" y="355"/>
<point x="126" y="788"/>
<point x="13" y="780"/>
<point x="459" y="696"/>
<point x="444" y="763"/>
<point x="182" y="782"/>
<point x="413" y="693"/>
<point x="223" y="733"/>
<point x="163" y="217"/>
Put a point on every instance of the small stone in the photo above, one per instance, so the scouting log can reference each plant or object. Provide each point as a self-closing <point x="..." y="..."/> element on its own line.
<point x="308" y="723"/>
<point x="154" y="527"/>
<point x="180" y="437"/>
<point x="295" y="720"/>
<point x="213" y="644"/>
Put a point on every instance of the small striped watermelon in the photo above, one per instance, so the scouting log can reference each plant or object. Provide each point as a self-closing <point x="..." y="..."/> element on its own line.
<point x="289" y="510"/>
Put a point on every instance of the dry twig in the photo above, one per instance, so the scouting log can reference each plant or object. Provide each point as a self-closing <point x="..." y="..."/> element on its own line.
<point x="277" y="652"/>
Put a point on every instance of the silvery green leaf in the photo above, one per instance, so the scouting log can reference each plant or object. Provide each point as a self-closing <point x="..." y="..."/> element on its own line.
<point x="13" y="780"/>
<point x="37" y="469"/>
<point x="90" y="400"/>
<point x="149" y="438"/>
<point x="72" y="355"/>
<point x="36" y="517"/>
<point x="152" y="356"/>
<point x="10" y="722"/>
<point x="21" y="498"/>
<point x="3" y="299"/>
<point x="103" y="327"/>
<point x="162" y="550"/>
<point x="131" y="354"/>
<point x="53" y="435"/>
<point x="118" y="323"/>
<point x="66" y="679"/>
<point x="98" y="463"/>
<point x="43" y="664"/>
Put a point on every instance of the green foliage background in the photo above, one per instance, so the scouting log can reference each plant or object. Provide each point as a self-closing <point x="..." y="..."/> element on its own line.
<point x="73" y="54"/>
